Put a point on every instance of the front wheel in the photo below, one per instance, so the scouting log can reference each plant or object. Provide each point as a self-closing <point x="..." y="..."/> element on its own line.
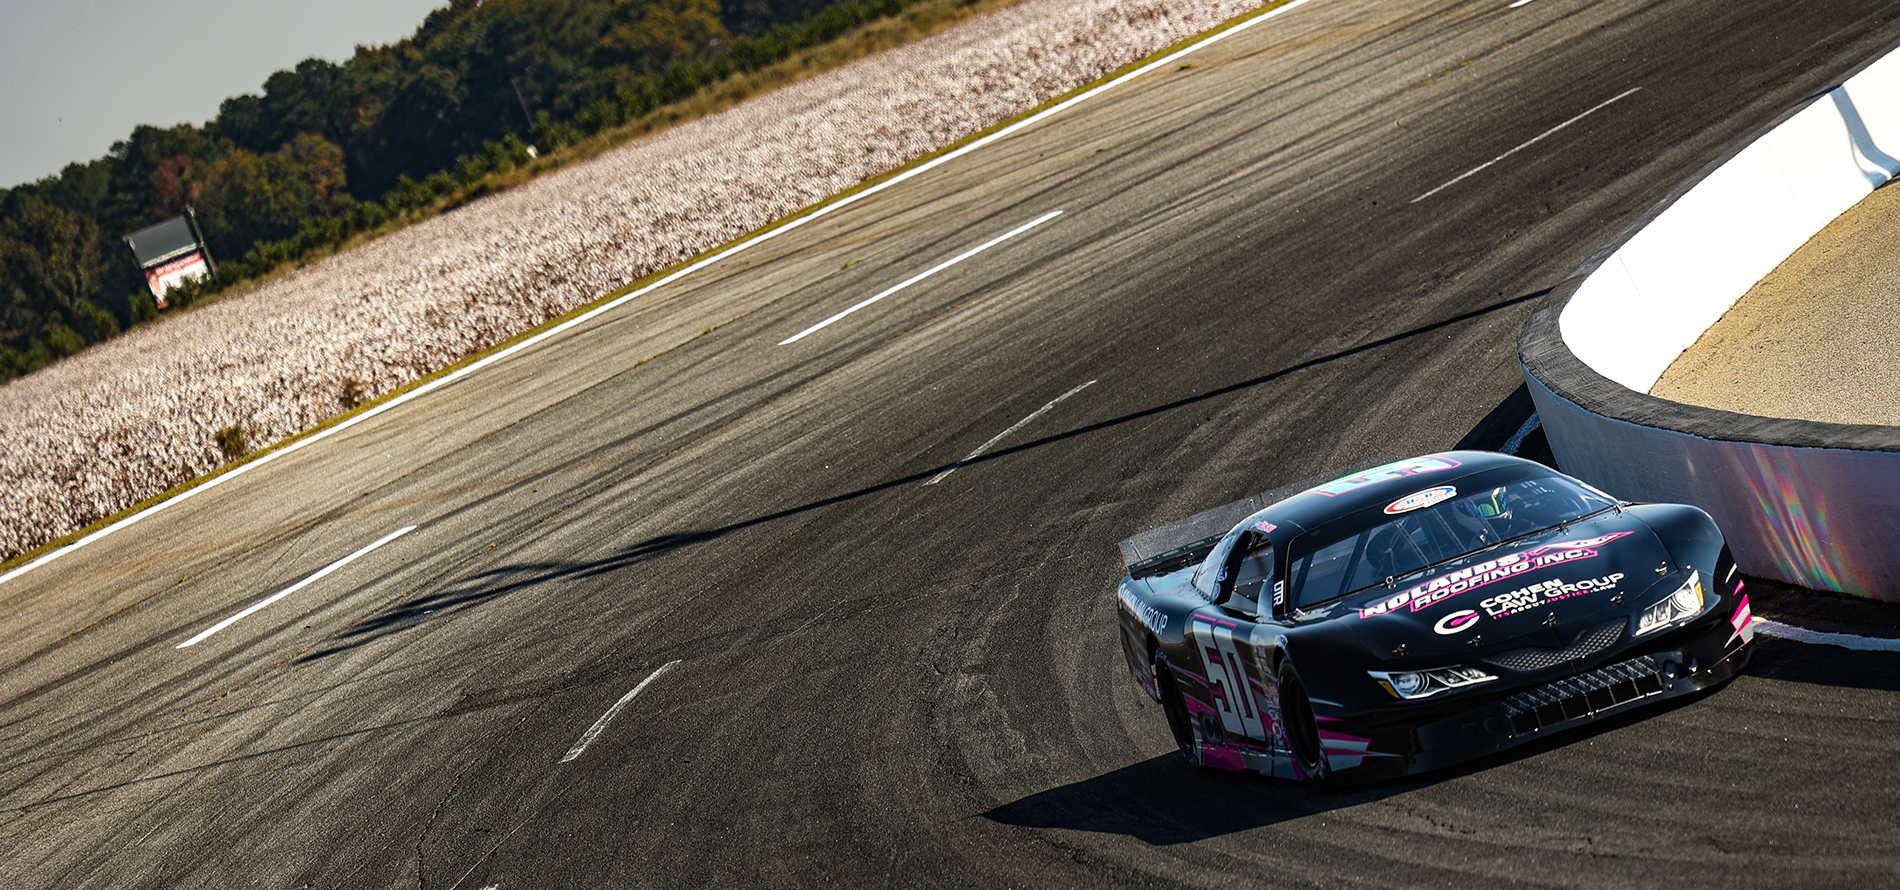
<point x="1302" y="731"/>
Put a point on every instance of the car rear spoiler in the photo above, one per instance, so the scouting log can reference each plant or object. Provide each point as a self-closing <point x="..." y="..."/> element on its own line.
<point x="1185" y="542"/>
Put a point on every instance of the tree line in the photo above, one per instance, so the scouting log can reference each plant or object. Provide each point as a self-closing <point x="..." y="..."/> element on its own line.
<point x="329" y="150"/>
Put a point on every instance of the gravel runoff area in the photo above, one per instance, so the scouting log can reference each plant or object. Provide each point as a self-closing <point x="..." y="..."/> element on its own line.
<point x="133" y="417"/>
<point x="1818" y="338"/>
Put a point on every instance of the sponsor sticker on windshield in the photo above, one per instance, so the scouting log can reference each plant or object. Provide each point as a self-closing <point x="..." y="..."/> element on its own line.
<point x="1421" y="499"/>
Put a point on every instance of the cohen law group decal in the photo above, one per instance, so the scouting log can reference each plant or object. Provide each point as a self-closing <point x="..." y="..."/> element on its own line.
<point x="1462" y="619"/>
<point x="1152" y="618"/>
<point x="1536" y="595"/>
<point x="1473" y="577"/>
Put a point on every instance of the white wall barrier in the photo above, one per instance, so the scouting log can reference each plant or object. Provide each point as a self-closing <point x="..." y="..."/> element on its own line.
<point x="1815" y="504"/>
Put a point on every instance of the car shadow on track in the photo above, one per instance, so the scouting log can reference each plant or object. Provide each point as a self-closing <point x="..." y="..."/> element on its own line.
<point x="1822" y="665"/>
<point x="469" y="592"/>
<point x="1164" y="801"/>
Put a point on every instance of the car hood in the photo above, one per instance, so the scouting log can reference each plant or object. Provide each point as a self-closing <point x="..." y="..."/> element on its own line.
<point x="1547" y="590"/>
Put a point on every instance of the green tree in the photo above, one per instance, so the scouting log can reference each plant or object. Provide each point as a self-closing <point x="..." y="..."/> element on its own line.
<point x="243" y="198"/>
<point x="319" y="163"/>
<point x="653" y="34"/>
<point x="50" y="266"/>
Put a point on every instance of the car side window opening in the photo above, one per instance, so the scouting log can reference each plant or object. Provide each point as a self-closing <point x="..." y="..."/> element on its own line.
<point x="1319" y="576"/>
<point x="1236" y="571"/>
<point x="1251" y="591"/>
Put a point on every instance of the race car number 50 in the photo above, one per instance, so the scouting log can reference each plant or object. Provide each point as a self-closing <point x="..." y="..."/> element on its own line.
<point x="1227" y="684"/>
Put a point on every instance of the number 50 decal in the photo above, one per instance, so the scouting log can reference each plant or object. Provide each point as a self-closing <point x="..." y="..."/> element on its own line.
<point x="1227" y="683"/>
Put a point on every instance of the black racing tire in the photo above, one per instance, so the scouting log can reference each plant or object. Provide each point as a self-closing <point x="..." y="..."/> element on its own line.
<point x="1172" y="706"/>
<point x="1302" y="731"/>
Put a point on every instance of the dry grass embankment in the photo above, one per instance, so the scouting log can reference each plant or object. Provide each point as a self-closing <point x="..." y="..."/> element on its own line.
<point x="133" y="417"/>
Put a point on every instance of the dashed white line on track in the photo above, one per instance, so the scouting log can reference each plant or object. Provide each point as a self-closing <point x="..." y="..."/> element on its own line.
<point x="924" y="274"/>
<point x="1527" y="144"/>
<point x="587" y="737"/>
<point x="297" y="586"/>
<point x="1005" y="434"/>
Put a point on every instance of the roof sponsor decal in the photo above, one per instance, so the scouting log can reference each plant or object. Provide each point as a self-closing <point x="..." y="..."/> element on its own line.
<point x="1265" y="526"/>
<point x="1480" y="574"/>
<point x="1417" y="466"/>
<point x="1420" y="499"/>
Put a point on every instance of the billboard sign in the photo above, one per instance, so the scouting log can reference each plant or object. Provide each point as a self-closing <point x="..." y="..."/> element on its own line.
<point x="161" y="279"/>
<point x="170" y="253"/>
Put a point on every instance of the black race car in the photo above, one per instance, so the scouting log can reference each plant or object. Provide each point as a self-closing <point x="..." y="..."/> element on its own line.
<point x="1420" y="613"/>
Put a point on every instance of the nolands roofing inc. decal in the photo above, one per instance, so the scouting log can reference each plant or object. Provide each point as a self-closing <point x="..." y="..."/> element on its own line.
<point x="1475" y="576"/>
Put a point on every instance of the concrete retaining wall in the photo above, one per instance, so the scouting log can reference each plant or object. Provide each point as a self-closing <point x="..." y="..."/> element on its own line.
<point x="1815" y="504"/>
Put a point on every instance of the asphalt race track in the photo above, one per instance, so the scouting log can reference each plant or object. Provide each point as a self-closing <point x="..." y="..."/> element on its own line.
<point x="876" y="681"/>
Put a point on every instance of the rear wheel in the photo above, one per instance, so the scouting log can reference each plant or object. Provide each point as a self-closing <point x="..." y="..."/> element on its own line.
<point x="1302" y="731"/>
<point x="1171" y="704"/>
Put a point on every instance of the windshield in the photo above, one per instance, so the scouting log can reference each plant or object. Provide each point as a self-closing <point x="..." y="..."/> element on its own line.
<point x="1429" y="527"/>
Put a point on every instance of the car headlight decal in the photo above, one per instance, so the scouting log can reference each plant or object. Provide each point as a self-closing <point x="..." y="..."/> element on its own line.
<point x="1685" y="602"/>
<point x="1420" y="684"/>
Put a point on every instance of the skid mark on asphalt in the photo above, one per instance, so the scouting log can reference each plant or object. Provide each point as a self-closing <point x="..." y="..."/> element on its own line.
<point x="587" y="738"/>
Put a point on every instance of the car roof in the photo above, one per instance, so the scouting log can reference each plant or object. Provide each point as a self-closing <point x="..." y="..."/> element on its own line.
<point x="1385" y="484"/>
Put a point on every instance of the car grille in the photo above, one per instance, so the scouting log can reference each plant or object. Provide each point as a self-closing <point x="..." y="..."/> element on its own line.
<point x="1595" y="640"/>
<point x="1583" y="694"/>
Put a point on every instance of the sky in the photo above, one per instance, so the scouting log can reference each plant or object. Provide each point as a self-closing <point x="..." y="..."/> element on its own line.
<point x="77" y="76"/>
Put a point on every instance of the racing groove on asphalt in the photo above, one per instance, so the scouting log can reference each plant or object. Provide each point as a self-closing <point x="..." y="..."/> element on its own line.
<point x="891" y="683"/>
